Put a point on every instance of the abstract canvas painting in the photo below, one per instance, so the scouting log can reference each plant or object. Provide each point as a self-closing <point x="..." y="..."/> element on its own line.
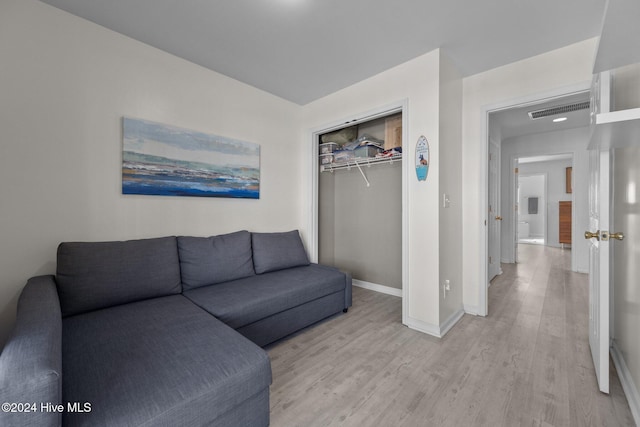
<point x="159" y="159"/>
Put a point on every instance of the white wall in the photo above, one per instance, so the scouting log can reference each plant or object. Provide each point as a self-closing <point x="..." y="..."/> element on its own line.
<point x="66" y="83"/>
<point x="626" y="270"/>
<point x="571" y="141"/>
<point x="450" y="184"/>
<point x="555" y="171"/>
<point x="417" y="82"/>
<point x="543" y="74"/>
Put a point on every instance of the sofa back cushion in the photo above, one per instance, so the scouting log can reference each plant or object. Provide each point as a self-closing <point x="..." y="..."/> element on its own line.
<point x="277" y="251"/>
<point x="216" y="259"/>
<point x="94" y="275"/>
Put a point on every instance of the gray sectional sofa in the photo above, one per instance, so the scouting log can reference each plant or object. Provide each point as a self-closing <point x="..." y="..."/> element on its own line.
<point x="161" y="332"/>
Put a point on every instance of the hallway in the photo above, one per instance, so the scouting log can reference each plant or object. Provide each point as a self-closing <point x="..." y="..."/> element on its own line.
<point x="548" y="307"/>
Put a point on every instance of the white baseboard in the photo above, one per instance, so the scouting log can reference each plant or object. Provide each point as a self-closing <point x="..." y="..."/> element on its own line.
<point x="420" y="326"/>
<point x="471" y="309"/>
<point x="378" y="288"/>
<point x="451" y="321"/>
<point x="435" y="330"/>
<point x="630" y="389"/>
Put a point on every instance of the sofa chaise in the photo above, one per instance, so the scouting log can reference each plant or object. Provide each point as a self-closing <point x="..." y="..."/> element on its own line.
<point x="161" y="332"/>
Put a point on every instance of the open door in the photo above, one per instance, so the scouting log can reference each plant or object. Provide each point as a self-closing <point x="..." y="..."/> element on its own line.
<point x="495" y="219"/>
<point x="598" y="236"/>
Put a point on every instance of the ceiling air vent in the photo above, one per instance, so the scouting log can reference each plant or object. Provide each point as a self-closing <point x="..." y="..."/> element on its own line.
<point x="561" y="109"/>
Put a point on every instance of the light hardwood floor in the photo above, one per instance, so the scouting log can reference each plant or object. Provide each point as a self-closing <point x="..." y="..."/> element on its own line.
<point x="527" y="363"/>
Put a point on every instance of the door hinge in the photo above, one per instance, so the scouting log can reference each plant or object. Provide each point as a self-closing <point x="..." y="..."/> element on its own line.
<point x="490" y="262"/>
<point x="516" y="170"/>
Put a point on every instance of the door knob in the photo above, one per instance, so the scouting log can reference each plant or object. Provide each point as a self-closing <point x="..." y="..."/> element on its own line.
<point x="498" y="218"/>
<point x="590" y="235"/>
<point x="606" y="236"/>
<point x="617" y="236"/>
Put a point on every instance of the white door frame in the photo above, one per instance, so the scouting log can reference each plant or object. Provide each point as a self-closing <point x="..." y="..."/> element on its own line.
<point x="483" y="250"/>
<point x="401" y="106"/>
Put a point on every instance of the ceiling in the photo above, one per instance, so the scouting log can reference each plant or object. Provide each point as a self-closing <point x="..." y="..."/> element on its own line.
<point x="302" y="50"/>
<point x="512" y="122"/>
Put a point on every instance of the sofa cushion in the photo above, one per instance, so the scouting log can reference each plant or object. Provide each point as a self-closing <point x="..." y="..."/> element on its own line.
<point x="210" y="260"/>
<point x="244" y="301"/>
<point x="94" y="275"/>
<point x="159" y="362"/>
<point x="277" y="251"/>
<point x="31" y="361"/>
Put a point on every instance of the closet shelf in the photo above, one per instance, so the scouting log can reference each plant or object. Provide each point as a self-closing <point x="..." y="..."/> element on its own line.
<point x="616" y="129"/>
<point x="364" y="161"/>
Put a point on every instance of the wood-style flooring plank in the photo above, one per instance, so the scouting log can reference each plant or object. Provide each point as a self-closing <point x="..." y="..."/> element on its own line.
<point x="527" y="363"/>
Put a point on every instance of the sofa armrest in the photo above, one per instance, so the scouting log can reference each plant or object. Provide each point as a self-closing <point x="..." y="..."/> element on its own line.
<point x="31" y="361"/>
<point x="348" y="301"/>
<point x="347" y="291"/>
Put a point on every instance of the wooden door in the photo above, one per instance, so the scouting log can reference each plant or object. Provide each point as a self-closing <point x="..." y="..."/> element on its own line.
<point x="564" y="232"/>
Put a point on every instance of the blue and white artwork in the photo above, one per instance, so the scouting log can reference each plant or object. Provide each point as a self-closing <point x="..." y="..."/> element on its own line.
<point x="159" y="159"/>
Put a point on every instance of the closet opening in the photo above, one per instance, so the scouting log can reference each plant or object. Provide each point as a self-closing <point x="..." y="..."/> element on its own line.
<point x="359" y="203"/>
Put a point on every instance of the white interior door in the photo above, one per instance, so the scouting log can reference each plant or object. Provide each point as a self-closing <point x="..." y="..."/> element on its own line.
<point x="599" y="164"/>
<point x="494" y="212"/>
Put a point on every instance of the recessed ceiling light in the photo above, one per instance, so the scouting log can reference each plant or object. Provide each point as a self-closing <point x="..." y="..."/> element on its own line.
<point x="559" y="119"/>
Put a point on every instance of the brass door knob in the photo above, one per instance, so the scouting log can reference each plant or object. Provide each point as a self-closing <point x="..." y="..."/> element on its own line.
<point x="498" y="218"/>
<point x="617" y="236"/>
<point x="590" y="235"/>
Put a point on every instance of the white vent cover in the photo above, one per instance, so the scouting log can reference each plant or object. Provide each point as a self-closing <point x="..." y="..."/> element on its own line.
<point x="560" y="109"/>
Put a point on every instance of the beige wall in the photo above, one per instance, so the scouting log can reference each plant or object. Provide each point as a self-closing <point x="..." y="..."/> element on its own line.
<point x="360" y="227"/>
<point x="65" y="85"/>
<point x="534" y="76"/>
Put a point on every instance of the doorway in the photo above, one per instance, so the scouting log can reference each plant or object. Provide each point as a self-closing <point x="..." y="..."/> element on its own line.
<point x="350" y="211"/>
<point x="544" y="201"/>
<point x="526" y="128"/>
<point x="531" y="199"/>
